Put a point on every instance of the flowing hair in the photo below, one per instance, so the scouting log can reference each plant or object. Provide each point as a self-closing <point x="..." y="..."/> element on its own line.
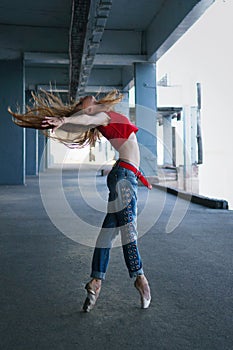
<point x="48" y="104"/>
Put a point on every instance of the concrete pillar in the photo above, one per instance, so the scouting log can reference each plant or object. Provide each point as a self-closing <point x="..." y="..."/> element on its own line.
<point x="145" y="108"/>
<point x="12" y="137"/>
<point x="167" y="140"/>
<point x="31" y="152"/>
<point x="193" y="122"/>
<point x="31" y="145"/>
<point x="42" y="157"/>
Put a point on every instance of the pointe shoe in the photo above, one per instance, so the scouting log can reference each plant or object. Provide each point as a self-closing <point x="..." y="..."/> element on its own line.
<point x="92" y="296"/>
<point x="144" y="301"/>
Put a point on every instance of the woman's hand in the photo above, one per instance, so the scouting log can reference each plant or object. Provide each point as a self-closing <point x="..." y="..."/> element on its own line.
<point x="55" y="122"/>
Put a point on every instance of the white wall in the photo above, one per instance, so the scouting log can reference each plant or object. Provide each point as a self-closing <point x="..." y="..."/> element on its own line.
<point x="205" y="55"/>
<point x="101" y="154"/>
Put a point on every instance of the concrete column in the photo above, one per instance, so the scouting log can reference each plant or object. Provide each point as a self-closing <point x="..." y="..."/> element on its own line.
<point x="31" y="145"/>
<point x="193" y="122"/>
<point x="12" y="137"/>
<point x="42" y="157"/>
<point x="31" y="152"/>
<point x="167" y="140"/>
<point x="146" y="106"/>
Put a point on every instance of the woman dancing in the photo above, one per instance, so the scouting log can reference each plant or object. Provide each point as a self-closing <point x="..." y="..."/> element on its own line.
<point x="78" y="125"/>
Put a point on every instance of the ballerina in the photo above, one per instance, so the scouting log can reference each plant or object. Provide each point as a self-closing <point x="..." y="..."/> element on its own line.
<point x="78" y="125"/>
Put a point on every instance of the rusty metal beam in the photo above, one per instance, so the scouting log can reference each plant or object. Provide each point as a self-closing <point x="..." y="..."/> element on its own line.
<point x="99" y="15"/>
<point x="78" y="30"/>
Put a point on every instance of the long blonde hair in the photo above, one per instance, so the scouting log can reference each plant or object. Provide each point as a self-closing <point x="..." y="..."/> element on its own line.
<point x="46" y="103"/>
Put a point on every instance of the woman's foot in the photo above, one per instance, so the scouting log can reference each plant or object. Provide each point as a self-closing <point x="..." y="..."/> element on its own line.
<point x="93" y="290"/>
<point x="142" y="285"/>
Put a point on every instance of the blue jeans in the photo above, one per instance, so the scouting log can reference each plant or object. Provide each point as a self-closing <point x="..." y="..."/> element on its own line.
<point x="121" y="216"/>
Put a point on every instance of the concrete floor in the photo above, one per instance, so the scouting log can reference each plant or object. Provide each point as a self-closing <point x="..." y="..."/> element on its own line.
<point x="43" y="273"/>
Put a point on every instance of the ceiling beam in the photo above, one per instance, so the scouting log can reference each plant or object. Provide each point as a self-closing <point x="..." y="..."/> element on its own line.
<point x="101" y="89"/>
<point x="118" y="60"/>
<point x="161" y="35"/>
<point x="46" y="58"/>
<point x="78" y="30"/>
<point x="100" y="12"/>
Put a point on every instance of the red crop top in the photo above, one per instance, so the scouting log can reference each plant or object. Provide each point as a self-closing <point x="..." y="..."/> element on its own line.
<point x="118" y="129"/>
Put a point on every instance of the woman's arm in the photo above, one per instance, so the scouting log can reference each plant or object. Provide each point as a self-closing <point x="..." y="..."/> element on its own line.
<point x="77" y="119"/>
<point x="99" y="118"/>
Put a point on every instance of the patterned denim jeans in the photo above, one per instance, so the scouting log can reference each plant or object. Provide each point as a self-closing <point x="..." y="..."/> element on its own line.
<point x="121" y="217"/>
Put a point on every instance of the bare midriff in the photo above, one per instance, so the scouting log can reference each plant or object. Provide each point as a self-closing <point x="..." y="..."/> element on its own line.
<point x="129" y="151"/>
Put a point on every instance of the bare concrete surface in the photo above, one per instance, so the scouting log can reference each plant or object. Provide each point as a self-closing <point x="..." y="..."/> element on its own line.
<point x="43" y="273"/>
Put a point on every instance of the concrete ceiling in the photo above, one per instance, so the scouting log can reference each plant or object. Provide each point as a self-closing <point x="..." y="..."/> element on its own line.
<point x="91" y="45"/>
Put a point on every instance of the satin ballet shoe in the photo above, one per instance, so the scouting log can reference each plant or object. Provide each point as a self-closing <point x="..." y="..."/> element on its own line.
<point x="92" y="296"/>
<point x="144" y="301"/>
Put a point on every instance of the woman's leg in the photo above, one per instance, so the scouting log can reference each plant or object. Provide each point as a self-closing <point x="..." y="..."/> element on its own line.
<point x="104" y="241"/>
<point x="128" y="226"/>
<point x="101" y="255"/>
<point x="107" y="233"/>
<point x="127" y="219"/>
<point x="100" y="260"/>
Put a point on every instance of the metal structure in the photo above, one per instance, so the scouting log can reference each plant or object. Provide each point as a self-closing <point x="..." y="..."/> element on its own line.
<point x="84" y="47"/>
<point x="91" y="45"/>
